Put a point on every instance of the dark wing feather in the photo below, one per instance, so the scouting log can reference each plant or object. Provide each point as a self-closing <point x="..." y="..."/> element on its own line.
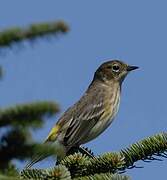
<point x="86" y="113"/>
<point x="34" y="160"/>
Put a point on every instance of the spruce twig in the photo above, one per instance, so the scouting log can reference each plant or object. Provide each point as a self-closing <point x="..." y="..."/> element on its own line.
<point x="59" y="173"/>
<point x="146" y="149"/>
<point x="84" y="167"/>
<point x="104" y="176"/>
<point x="17" y="144"/>
<point x="16" y="35"/>
<point x="27" y="114"/>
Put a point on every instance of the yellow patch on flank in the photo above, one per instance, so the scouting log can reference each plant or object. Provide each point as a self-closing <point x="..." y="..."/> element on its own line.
<point x="53" y="133"/>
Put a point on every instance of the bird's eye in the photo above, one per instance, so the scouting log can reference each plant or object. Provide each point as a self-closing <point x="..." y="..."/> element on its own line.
<point x="115" y="68"/>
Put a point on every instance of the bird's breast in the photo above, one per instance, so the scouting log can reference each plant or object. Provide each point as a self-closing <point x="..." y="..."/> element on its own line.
<point x="111" y="107"/>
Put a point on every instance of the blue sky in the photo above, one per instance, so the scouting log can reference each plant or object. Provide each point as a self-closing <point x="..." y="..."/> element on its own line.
<point x="61" y="69"/>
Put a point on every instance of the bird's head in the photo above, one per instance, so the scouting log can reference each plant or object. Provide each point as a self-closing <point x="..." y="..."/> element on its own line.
<point x="113" y="70"/>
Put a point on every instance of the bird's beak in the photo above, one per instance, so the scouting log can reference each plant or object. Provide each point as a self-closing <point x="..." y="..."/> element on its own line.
<point x="131" y="68"/>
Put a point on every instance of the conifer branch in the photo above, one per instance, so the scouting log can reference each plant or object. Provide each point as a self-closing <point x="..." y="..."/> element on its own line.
<point x="1" y="72"/>
<point x="59" y="173"/>
<point x="146" y="149"/>
<point x="27" y="114"/>
<point x="81" y="165"/>
<point x="10" y="170"/>
<point x="34" y="31"/>
<point x="104" y="176"/>
<point x="17" y="144"/>
<point x="6" y="177"/>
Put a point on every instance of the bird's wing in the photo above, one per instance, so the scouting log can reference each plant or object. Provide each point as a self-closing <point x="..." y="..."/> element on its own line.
<point x="76" y="122"/>
<point x="84" y="119"/>
<point x="78" y="127"/>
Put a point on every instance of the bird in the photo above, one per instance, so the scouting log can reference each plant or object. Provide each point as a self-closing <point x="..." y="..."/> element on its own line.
<point x="92" y="114"/>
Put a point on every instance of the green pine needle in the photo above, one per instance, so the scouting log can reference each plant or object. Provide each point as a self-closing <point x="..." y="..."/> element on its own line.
<point x="5" y="177"/>
<point x="57" y="173"/>
<point x="145" y="149"/>
<point x="17" y="144"/>
<point x="104" y="176"/>
<point x="34" y="31"/>
<point x="81" y="165"/>
<point x="27" y="114"/>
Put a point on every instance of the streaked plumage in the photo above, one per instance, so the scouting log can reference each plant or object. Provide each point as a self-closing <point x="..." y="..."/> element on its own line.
<point x="93" y="113"/>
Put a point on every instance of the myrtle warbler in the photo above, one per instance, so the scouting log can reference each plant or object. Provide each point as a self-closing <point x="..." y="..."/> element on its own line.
<point x="93" y="113"/>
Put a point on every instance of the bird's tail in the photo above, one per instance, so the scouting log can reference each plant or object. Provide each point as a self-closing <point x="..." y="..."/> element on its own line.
<point x="59" y="150"/>
<point x="34" y="160"/>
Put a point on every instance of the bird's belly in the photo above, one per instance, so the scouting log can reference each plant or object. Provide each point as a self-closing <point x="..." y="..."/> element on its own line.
<point x="97" y="130"/>
<point x="103" y="124"/>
